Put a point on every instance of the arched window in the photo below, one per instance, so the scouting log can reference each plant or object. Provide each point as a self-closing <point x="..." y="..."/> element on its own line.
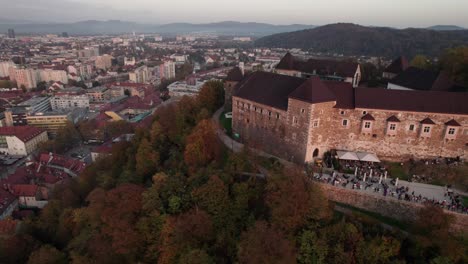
<point x="316" y="153"/>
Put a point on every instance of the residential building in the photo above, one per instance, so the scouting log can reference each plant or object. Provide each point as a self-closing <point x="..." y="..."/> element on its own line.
<point x="103" y="62"/>
<point x="167" y="70"/>
<point x="326" y="69"/>
<point x="5" y="68"/>
<point x="83" y="70"/>
<point x="98" y="94"/>
<point x="29" y="195"/>
<point x="300" y="119"/>
<point x="129" y="61"/>
<point x="140" y="75"/>
<point x="88" y="52"/>
<point x="179" y="58"/>
<point x="49" y="75"/>
<point x="21" y="140"/>
<point x="69" y="102"/>
<point x="26" y="78"/>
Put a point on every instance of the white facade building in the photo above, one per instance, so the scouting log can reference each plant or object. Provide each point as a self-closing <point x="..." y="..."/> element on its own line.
<point x="4" y="68"/>
<point x="69" y="102"/>
<point x="48" y="75"/>
<point x="103" y="62"/>
<point x="23" y="77"/>
<point x="140" y="75"/>
<point x="21" y="140"/>
<point x="167" y="70"/>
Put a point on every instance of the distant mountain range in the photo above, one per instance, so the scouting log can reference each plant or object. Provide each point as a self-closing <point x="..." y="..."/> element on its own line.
<point x="352" y="39"/>
<point x="446" y="27"/>
<point x="117" y="26"/>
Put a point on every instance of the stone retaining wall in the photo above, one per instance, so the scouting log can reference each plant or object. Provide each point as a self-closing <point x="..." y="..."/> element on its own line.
<point x="386" y="206"/>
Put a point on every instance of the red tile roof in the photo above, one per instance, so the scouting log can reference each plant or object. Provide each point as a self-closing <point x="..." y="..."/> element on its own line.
<point x="368" y="117"/>
<point x="313" y="91"/>
<point x="24" y="133"/>
<point x="318" y="66"/>
<point x="427" y="121"/>
<point x="28" y="190"/>
<point x="393" y="119"/>
<point x="453" y="123"/>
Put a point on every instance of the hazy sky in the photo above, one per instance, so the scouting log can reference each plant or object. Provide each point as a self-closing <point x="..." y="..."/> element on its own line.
<point x="395" y="13"/>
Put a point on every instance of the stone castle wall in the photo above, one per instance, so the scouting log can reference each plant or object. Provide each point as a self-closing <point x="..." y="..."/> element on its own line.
<point x="401" y="144"/>
<point x="386" y="206"/>
<point x="272" y="130"/>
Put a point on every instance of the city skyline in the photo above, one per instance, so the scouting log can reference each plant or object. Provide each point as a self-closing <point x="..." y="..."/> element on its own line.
<point x="362" y="12"/>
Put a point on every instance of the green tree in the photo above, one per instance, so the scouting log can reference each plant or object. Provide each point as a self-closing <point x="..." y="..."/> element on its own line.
<point x="147" y="160"/>
<point x="312" y="250"/>
<point x="455" y="62"/>
<point x="422" y="62"/>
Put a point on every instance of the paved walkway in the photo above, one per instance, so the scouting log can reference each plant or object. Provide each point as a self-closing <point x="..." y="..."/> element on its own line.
<point x="430" y="192"/>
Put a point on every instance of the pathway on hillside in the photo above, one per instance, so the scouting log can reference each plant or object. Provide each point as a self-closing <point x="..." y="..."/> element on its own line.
<point x="425" y="190"/>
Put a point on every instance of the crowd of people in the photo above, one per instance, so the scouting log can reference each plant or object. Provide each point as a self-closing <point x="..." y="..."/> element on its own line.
<point x="374" y="179"/>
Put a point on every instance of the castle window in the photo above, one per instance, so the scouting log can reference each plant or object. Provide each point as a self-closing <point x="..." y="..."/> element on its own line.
<point x="342" y="112"/>
<point x="411" y="128"/>
<point x="277" y="116"/>
<point x="269" y="113"/>
<point x="367" y="125"/>
<point x="295" y="120"/>
<point x="392" y="126"/>
<point x="255" y="108"/>
<point x="316" y="123"/>
<point x="364" y="112"/>
<point x="452" y="131"/>
<point x="302" y="110"/>
<point x="345" y="122"/>
<point x="427" y="129"/>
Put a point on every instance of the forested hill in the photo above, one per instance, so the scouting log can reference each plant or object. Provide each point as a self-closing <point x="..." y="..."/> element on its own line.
<point x="351" y="39"/>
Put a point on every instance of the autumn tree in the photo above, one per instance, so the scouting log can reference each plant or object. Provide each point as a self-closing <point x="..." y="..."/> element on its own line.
<point x="180" y="233"/>
<point x="264" y="244"/>
<point x="213" y="197"/>
<point x="211" y="96"/>
<point x="47" y="255"/>
<point x="203" y="145"/>
<point x="293" y="200"/>
<point x="147" y="160"/>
